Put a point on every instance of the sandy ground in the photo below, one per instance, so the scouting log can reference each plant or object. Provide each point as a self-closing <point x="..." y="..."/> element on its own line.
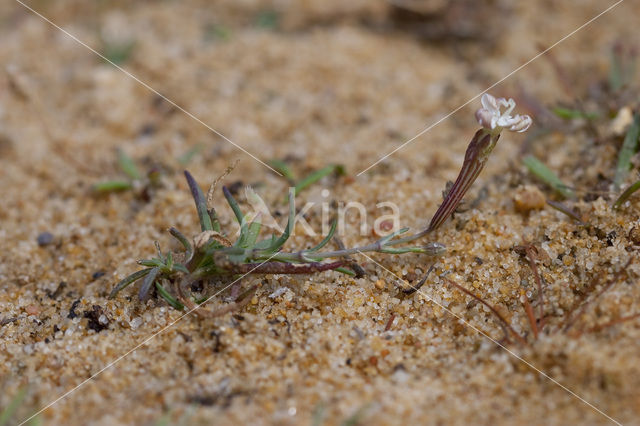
<point x="316" y="82"/>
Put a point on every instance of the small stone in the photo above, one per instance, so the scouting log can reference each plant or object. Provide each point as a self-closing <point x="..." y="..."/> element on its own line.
<point x="634" y="235"/>
<point x="44" y="239"/>
<point x="379" y="284"/>
<point x="623" y="120"/>
<point x="32" y="309"/>
<point x="528" y="197"/>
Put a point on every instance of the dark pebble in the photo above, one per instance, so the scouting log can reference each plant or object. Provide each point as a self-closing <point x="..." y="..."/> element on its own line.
<point x="44" y="239"/>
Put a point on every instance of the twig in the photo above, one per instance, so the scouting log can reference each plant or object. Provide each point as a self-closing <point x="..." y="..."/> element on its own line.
<point x="585" y="303"/>
<point x="529" y="311"/>
<point x="611" y="323"/>
<point x="562" y="208"/>
<point x="390" y="322"/>
<point x="417" y="287"/>
<point x="506" y="327"/>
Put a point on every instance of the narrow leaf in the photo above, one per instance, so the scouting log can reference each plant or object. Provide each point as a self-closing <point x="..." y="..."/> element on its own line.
<point x="290" y="224"/>
<point x="327" y="238"/>
<point x="183" y="240"/>
<point x="128" y="166"/>
<point x="168" y="297"/>
<point x="626" y="194"/>
<point x="128" y="280"/>
<point x="112" y="186"/>
<point x="149" y="279"/>
<point x="571" y="114"/>
<point x="629" y="148"/>
<point x="9" y="411"/>
<point x="316" y="176"/>
<point x="545" y="174"/>
<point x="233" y="204"/>
<point x="282" y="167"/>
<point x="201" y="203"/>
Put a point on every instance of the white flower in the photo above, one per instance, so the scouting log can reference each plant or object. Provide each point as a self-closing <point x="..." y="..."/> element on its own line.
<point x="490" y="116"/>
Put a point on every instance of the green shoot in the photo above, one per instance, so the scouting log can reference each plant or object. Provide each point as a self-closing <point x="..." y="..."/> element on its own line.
<point x="118" y="53"/>
<point x="542" y="172"/>
<point x="284" y="169"/>
<point x="10" y="410"/>
<point x="186" y="158"/>
<point x="626" y="194"/>
<point x="572" y="114"/>
<point x="268" y="19"/>
<point x="317" y="175"/>
<point x="128" y="166"/>
<point x="629" y="148"/>
<point x="201" y="203"/>
<point x="213" y="256"/>
<point x="112" y="186"/>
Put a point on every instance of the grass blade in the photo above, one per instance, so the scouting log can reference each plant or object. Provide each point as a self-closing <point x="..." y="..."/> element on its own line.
<point x="183" y="240"/>
<point x="9" y="411"/>
<point x="201" y="203"/>
<point x="283" y="168"/>
<point x="317" y="175"/>
<point x="128" y="280"/>
<point x="233" y="204"/>
<point x="290" y="224"/>
<point x="168" y="297"/>
<point x="626" y="194"/>
<point x="629" y="147"/>
<point x="327" y="238"/>
<point x="128" y="166"/>
<point x="149" y="279"/>
<point x="571" y="114"/>
<point x="542" y="172"/>
<point x="112" y="186"/>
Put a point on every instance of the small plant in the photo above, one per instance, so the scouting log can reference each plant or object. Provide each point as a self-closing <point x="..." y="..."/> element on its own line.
<point x="301" y="184"/>
<point x="142" y="184"/>
<point x="493" y="121"/>
<point x="213" y="256"/>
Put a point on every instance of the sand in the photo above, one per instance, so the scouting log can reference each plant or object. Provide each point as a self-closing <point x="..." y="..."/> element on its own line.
<point x="317" y="83"/>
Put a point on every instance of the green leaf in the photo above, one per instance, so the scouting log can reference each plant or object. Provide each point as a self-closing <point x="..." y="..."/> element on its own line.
<point x="168" y="297"/>
<point x="118" y="53"/>
<point x="10" y="410"/>
<point x="151" y="263"/>
<point x="317" y="175"/>
<point x="186" y="158"/>
<point x="149" y="279"/>
<point x="128" y="166"/>
<point x="290" y="224"/>
<point x="234" y="205"/>
<point x="284" y="169"/>
<point x="253" y="232"/>
<point x="112" y="186"/>
<point x="571" y="114"/>
<point x="346" y="271"/>
<point x="201" y="203"/>
<point x="268" y="19"/>
<point x="626" y="194"/>
<point x="629" y="148"/>
<point x="327" y="238"/>
<point x="183" y="240"/>
<point x="128" y="280"/>
<point x="537" y="168"/>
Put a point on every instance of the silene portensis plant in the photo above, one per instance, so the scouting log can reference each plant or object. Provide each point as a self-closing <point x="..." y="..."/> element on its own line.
<point x="210" y="256"/>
